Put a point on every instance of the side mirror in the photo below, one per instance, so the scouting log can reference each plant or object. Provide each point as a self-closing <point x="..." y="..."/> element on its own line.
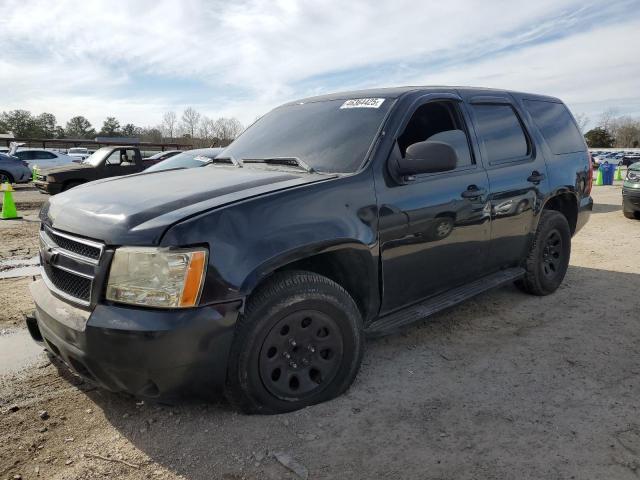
<point x="428" y="157"/>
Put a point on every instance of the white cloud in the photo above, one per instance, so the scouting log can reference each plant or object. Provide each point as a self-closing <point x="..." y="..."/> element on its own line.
<point x="79" y="57"/>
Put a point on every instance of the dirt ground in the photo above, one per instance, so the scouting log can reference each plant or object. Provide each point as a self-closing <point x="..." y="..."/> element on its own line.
<point x="503" y="386"/>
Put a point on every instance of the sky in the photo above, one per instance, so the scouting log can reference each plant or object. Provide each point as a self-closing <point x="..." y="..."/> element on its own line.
<point x="137" y="59"/>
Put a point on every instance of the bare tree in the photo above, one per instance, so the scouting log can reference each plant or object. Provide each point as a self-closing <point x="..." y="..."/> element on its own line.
<point x="607" y="117"/>
<point x="626" y="131"/>
<point x="206" y="131"/>
<point x="169" y="120"/>
<point x="582" y="120"/>
<point x="190" y="120"/>
<point x="226" y="130"/>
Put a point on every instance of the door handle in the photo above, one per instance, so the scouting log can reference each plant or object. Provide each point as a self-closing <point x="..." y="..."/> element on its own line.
<point x="535" y="177"/>
<point x="473" y="192"/>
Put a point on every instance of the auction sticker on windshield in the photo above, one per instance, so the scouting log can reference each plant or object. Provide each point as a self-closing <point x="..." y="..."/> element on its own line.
<point x="363" y="103"/>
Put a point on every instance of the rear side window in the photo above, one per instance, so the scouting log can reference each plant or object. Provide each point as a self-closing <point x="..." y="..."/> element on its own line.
<point x="27" y="155"/>
<point x="42" y="155"/>
<point x="556" y="125"/>
<point x="500" y="133"/>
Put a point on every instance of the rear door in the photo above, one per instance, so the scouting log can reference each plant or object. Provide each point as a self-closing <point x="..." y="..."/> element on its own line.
<point x="517" y="174"/>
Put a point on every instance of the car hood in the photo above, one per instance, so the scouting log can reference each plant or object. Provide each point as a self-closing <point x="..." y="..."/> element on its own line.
<point x="138" y="209"/>
<point x="635" y="166"/>
<point x="69" y="167"/>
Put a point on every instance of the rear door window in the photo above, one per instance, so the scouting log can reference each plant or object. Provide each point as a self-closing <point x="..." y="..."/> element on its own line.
<point x="500" y="133"/>
<point x="43" y="155"/>
<point x="25" y="155"/>
<point x="556" y="125"/>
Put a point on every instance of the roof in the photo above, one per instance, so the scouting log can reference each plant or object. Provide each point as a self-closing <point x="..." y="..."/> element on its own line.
<point x="395" y="92"/>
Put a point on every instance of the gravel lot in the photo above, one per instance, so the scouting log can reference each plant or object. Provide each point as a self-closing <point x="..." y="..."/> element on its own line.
<point x="504" y="386"/>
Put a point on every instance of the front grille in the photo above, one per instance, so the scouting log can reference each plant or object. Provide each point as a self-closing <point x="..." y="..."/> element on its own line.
<point x="69" y="283"/>
<point x="69" y="264"/>
<point x="75" y="246"/>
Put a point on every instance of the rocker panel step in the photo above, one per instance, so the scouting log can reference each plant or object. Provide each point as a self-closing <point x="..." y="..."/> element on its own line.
<point x="394" y="321"/>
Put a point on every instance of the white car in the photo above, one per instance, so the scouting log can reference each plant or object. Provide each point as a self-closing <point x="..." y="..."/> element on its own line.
<point x="78" y="153"/>
<point x="42" y="158"/>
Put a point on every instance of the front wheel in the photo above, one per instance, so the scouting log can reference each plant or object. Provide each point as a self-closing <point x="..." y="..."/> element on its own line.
<point x="630" y="214"/>
<point x="298" y="343"/>
<point x="548" y="258"/>
<point x="5" y="177"/>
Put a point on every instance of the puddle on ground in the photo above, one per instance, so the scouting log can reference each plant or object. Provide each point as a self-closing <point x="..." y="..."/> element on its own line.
<point x="17" y="267"/>
<point x="18" y="351"/>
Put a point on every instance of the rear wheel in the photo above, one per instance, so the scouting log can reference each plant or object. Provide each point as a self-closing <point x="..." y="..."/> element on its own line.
<point x="548" y="258"/>
<point x="5" y="177"/>
<point x="299" y="343"/>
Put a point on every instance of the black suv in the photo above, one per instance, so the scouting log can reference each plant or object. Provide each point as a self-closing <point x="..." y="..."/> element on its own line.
<point x="329" y="219"/>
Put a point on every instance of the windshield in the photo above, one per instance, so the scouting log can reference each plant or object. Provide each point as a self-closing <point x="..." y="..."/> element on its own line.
<point x="188" y="159"/>
<point x="167" y="154"/>
<point x="329" y="136"/>
<point x="98" y="156"/>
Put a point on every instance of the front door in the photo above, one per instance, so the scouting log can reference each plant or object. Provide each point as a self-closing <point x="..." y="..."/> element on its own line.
<point x="517" y="174"/>
<point x="433" y="228"/>
<point x="121" y="162"/>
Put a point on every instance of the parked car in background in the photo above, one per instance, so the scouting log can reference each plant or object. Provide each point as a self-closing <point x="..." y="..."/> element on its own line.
<point x="329" y="219"/>
<point x="78" y="153"/>
<point x="198" y="157"/>
<point x="631" y="192"/>
<point x="630" y="159"/>
<point x="160" y="156"/>
<point x="13" y="170"/>
<point x="43" y="158"/>
<point x="105" y="162"/>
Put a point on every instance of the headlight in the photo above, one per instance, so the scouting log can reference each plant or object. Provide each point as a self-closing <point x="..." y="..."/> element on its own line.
<point x="633" y="176"/>
<point x="156" y="277"/>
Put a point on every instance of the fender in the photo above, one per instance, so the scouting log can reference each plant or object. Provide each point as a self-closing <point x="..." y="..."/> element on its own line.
<point x="268" y="267"/>
<point x="348" y="262"/>
<point x="560" y="192"/>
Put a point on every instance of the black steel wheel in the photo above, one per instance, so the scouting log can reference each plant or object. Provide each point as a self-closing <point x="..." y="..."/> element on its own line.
<point x="301" y="355"/>
<point x="552" y="252"/>
<point x="299" y="342"/>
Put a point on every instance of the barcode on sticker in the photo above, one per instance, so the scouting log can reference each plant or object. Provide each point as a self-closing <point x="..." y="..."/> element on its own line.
<point x="363" y="103"/>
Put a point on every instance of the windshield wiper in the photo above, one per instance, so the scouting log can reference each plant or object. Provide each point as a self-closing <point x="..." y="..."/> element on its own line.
<point x="229" y="159"/>
<point x="287" y="161"/>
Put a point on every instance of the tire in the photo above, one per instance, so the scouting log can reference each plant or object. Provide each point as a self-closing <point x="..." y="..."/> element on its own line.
<point x="630" y="214"/>
<point x="441" y="229"/>
<point x="299" y="342"/>
<point x="548" y="258"/>
<point x="6" y="177"/>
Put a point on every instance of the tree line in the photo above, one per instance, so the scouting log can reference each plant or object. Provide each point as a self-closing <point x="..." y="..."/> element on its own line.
<point x="192" y="127"/>
<point x="613" y="131"/>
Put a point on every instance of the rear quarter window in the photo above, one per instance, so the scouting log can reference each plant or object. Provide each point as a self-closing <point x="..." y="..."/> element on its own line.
<point x="556" y="125"/>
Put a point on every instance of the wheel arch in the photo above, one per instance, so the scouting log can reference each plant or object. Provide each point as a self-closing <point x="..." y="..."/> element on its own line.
<point x="8" y="174"/>
<point x="565" y="202"/>
<point x="350" y="264"/>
